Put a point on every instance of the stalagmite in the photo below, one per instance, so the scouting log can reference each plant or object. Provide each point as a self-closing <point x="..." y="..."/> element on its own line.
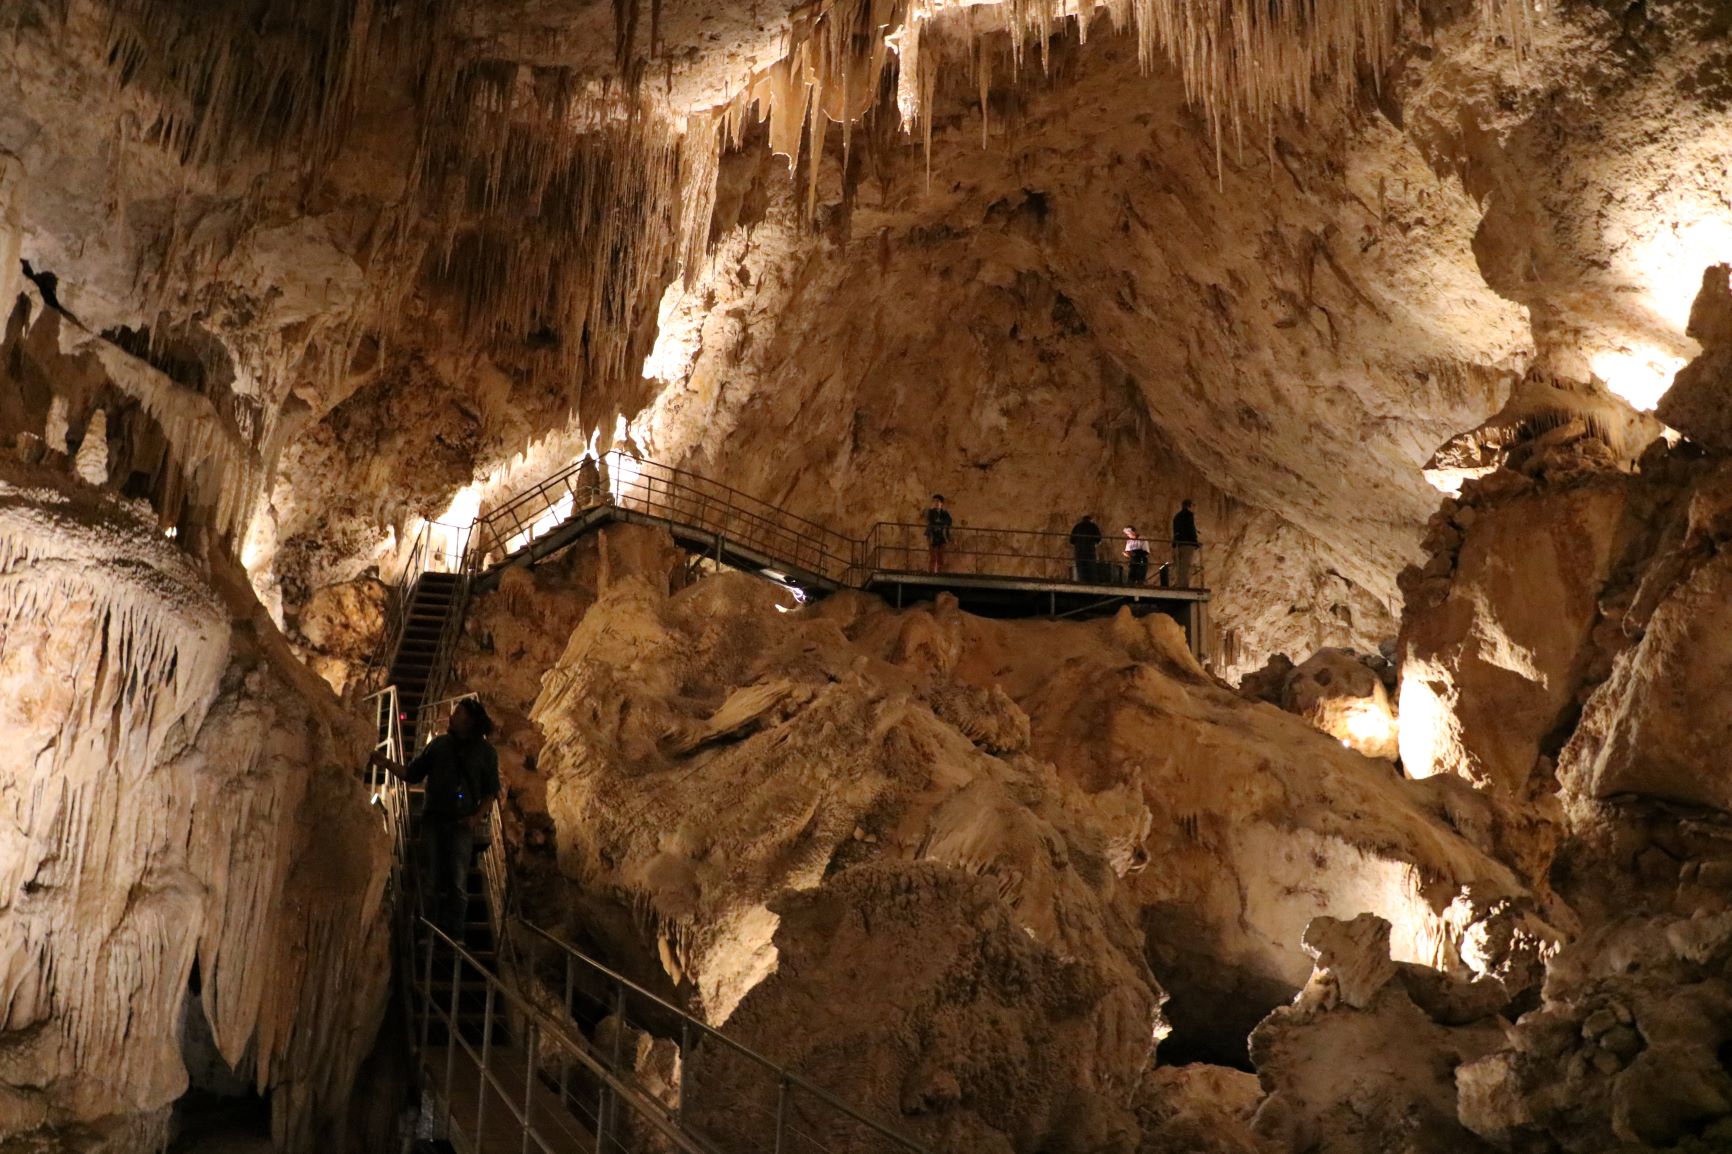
<point x="91" y="464"/>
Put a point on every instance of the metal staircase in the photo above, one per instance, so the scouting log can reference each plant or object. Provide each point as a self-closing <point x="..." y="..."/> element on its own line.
<point x="431" y="621"/>
<point x="507" y="1022"/>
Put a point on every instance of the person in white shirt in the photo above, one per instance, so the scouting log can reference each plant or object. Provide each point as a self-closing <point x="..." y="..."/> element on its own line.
<point x="1137" y="553"/>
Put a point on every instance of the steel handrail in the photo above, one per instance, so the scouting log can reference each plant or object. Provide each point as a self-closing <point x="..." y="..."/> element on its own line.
<point x="678" y="497"/>
<point x="547" y="1028"/>
<point x="901" y="547"/>
<point x="689" y="1022"/>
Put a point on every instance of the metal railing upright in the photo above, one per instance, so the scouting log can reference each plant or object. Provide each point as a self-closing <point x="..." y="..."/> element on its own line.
<point x="497" y="1091"/>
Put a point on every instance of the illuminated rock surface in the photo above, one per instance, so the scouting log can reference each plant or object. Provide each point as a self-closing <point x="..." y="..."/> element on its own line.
<point x="181" y="800"/>
<point x="750" y="784"/>
<point x="282" y="281"/>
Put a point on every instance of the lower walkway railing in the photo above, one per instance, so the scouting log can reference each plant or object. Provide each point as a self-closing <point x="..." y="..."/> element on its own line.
<point x="728" y="1094"/>
<point x="505" y="1075"/>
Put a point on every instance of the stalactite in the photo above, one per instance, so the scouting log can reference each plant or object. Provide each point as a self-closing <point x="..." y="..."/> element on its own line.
<point x="169" y="774"/>
<point x="1241" y="61"/>
<point x="554" y="212"/>
<point x="224" y="470"/>
<point x="222" y="84"/>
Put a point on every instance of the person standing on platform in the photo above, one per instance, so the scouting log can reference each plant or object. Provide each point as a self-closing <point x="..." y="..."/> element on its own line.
<point x="1185" y="544"/>
<point x="937" y="533"/>
<point x="1137" y="553"/>
<point x="1085" y="543"/>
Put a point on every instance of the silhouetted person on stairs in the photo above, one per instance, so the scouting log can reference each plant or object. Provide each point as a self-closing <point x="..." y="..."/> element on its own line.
<point x="462" y="774"/>
<point x="1085" y="543"/>
<point x="1185" y="544"/>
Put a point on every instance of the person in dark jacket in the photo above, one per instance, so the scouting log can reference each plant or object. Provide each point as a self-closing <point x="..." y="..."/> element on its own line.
<point x="1185" y="544"/>
<point x="1085" y="543"/>
<point x="937" y="533"/>
<point x="461" y="772"/>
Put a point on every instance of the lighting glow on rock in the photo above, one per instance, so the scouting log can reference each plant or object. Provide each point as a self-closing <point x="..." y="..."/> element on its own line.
<point x="1640" y="374"/>
<point x="451" y="531"/>
<point x="1669" y="264"/>
<point x="1369" y="726"/>
<point x="1427" y="727"/>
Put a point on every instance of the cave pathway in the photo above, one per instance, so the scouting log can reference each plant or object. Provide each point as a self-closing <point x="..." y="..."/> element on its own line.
<point x="991" y="572"/>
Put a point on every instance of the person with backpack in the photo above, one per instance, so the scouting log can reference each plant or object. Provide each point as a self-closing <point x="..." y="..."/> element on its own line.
<point x="937" y="533"/>
<point x="461" y="772"/>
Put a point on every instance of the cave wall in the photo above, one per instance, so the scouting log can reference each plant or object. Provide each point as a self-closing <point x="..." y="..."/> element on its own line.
<point x="1072" y="308"/>
<point x="180" y="797"/>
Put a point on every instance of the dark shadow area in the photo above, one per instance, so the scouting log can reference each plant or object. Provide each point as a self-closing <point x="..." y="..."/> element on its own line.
<point x="1211" y="1006"/>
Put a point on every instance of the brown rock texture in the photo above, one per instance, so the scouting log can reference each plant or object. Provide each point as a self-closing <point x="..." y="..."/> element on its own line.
<point x="789" y="814"/>
<point x="1341" y="693"/>
<point x="283" y="281"/>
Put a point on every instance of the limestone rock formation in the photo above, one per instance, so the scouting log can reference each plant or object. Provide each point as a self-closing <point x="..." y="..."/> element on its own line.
<point x="285" y="283"/>
<point x="1695" y="405"/>
<point x="1355" y="1064"/>
<point x="1343" y="694"/>
<point x="341" y="626"/>
<point x="1094" y="804"/>
<point x="181" y="801"/>
<point x="1624" y="1049"/>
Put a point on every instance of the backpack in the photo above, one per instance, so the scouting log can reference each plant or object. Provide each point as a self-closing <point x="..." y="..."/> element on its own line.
<point x="460" y="793"/>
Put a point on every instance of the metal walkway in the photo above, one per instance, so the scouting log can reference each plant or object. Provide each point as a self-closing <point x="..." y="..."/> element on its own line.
<point x="992" y="572"/>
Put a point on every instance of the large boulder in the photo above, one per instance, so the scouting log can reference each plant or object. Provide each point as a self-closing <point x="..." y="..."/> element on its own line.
<point x="1493" y="656"/>
<point x="719" y="771"/>
<point x="1625" y="1048"/>
<point x="1659" y="726"/>
<point x="1356" y="1065"/>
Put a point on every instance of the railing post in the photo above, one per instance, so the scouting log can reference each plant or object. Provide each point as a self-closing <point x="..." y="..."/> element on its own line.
<point x="426" y="990"/>
<point x="618" y="1054"/>
<point x="451" y="1034"/>
<point x="565" y="1063"/>
<point x="481" y="1070"/>
<point x="782" y="1089"/>
<point x="528" y="1089"/>
<point x="685" y="1060"/>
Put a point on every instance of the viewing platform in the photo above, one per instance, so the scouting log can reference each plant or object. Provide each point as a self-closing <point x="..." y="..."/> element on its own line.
<point x="991" y="572"/>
